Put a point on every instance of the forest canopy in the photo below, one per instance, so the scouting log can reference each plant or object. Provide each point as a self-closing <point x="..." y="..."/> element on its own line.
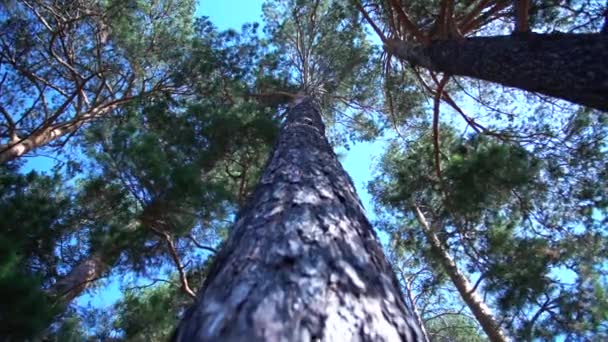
<point x="137" y="137"/>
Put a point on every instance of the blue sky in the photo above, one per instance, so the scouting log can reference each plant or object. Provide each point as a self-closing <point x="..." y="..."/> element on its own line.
<point x="230" y="14"/>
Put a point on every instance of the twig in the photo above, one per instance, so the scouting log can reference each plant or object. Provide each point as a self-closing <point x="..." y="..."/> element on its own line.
<point x="201" y="246"/>
<point x="370" y="21"/>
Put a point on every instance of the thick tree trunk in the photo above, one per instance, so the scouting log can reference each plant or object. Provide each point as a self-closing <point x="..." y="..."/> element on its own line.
<point x="302" y="262"/>
<point x="572" y="67"/>
<point x="478" y="307"/>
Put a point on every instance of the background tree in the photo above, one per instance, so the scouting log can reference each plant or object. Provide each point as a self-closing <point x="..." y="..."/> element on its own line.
<point x="154" y="189"/>
<point x="514" y="224"/>
<point x="500" y="115"/>
<point x="66" y="64"/>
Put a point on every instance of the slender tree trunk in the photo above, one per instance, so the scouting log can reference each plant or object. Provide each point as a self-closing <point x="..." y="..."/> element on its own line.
<point x="302" y="262"/>
<point x="80" y="278"/>
<point x="50" y="133"/>
<point x="572" y="67"/>
<point x="410" y="296"/>
<point x="39" y="138"/>
<point x="478" y="307"/>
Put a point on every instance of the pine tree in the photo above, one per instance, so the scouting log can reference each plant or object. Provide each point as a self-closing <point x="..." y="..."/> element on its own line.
<point x="302" y="261"/>
<point x="81" y="62"/>
<point x="513" y="218"/>
<point x="569" y="65"/>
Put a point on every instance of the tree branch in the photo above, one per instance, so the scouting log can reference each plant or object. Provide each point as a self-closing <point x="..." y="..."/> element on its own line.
<point x="436" y="104"/>
<point x="201" y="246"/>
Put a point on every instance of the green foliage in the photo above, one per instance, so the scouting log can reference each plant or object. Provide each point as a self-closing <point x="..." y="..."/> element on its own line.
<point x="518" y="268"/>
<point x="481" y="174"/>
<point x="71" y="330"/>
<point x="150" y="314"/>
<point x="148" y="31"/>
<point x="27" y="258"/>
<point x="454" y="328"/>
<point x="26" y="310"/>
<point x="168" y="170"/>
<point x="525" y="217"/>
<point x="68" y="63"/>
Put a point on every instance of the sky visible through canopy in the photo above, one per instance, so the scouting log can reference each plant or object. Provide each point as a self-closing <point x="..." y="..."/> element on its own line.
<point x="358" y="160"/>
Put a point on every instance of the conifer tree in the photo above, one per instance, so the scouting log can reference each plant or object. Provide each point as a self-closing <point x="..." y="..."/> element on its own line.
<point x="302" y="261"/>
<point x="451" y="37"/>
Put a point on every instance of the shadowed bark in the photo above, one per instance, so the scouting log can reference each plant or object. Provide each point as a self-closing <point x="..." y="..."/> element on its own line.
<point x="80" y="278"/>
<point x="302" y="262"/>
<point x="567" y="66"/>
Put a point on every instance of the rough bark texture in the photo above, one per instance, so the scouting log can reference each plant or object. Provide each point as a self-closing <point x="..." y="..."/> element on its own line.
<point x="478" y="307"/>
<point x="572" y="67"/>
<point x="302" y="262"/>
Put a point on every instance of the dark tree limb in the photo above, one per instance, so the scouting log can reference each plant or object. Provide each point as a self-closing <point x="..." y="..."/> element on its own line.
<point x="522" y="7"/>
<point x="567" y="66"/>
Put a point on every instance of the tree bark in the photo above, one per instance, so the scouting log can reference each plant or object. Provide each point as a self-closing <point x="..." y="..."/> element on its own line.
<point x="302" y="262"/>
<point x="478" y="307"/>
<point x="80" y="278"/>
<point x="410" y="296"/>
<point x="40" y="138"/>
<point x="572" y="67"/>
<point x="52" y="132"/>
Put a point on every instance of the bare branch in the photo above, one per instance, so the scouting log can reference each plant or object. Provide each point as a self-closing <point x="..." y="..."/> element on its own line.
<point x="201" y="246"/>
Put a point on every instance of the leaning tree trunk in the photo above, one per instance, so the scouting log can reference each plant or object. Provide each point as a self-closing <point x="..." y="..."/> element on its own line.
<point x="567" y="66"/>
<point x="49" y="132"/>
<point x="476" y="304"/>
<point x="41" y="137"/>
<point x="81" y="277"/>
<point x="302" y="262"/>
<point x="84" y="274"/>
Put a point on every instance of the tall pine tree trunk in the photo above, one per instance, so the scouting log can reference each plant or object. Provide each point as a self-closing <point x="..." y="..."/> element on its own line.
<point x="302" y="262"/>
<point x="572" y="67"/>
<point x="474" y="301"/>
